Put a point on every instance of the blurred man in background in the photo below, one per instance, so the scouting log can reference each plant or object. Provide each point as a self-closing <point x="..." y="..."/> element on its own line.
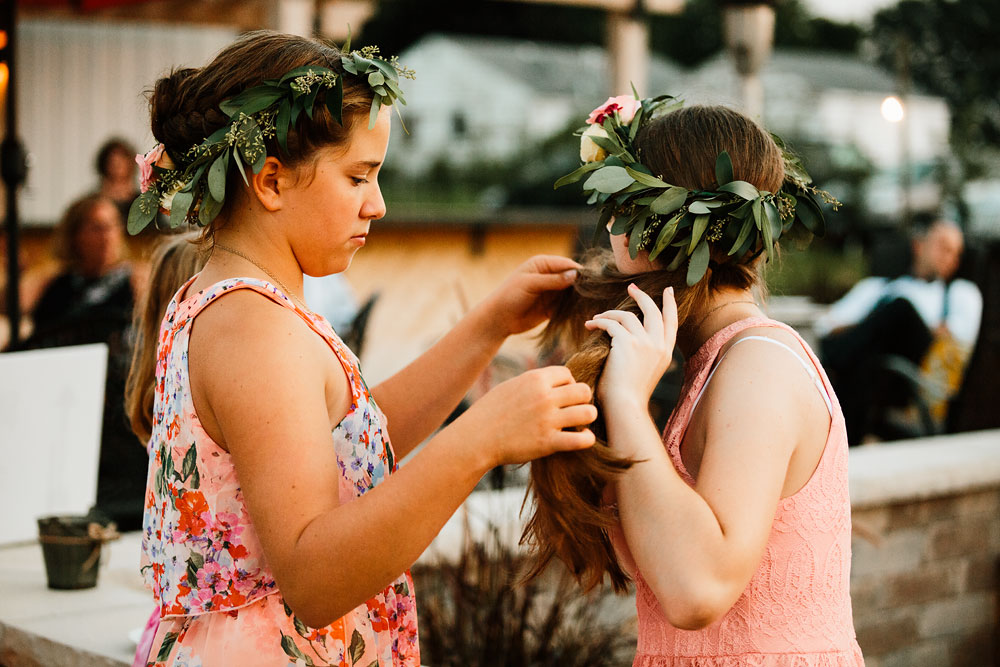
<point x="887" y="342"/>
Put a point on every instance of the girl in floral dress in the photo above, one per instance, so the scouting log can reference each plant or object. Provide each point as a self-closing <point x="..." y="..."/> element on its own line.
<point x="278" y="526"/>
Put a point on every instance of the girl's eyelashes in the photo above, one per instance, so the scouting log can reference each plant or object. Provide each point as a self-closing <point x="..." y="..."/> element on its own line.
<point x="359" y="181"/>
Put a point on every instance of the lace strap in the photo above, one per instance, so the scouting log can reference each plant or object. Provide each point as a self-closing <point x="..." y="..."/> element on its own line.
<point x="817" y="380"/>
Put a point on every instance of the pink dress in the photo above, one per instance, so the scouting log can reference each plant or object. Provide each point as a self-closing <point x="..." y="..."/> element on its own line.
<point x="217" y="598"/>
<point x="796" y="610"/>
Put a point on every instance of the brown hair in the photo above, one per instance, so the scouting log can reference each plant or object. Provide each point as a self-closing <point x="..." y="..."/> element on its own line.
<point x="75" y="217"/>
<point x="175" y="260"/>
<point x="184" y="106"/>
<point x="569" y="520"/>
<point x="109" y="148"/>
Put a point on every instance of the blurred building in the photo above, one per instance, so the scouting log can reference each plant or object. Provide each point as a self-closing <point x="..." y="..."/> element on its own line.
<point x="480" y="98"/>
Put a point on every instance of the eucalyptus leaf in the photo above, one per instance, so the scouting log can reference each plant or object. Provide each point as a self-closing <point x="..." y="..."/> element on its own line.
<point x="700" y="225"/>
<point x="810" y="214"/>
<point x="179" y="208"/>
<point x="609" y="180"/>
<point x="669" y="201"/>
<point x="619" y="225"/>
<point x="142" y="211"/>
<point x="310" y="101"/>
<point x="741" y="188"/>
<point x="768" y="235"/>
<point x="239" y="165"/>
<point x="664" y="238"/>
<point x="646" y="179"/>
<point x="373" y="116"/>
<point x="698" y="263"/>
<point x="699" y="208"/>
<point x="635" y="236"/>
<point x="193" y="180"/>
<point x="576" y="175"/>
<point x="723" y="168"/>
<point x="744" y="235"/>
<point x="636" y="121"/>
<point x="593" y="197"/>
<point x="675" y="263"/>
<point x="282" y="121"/>
<point x="376" y="79"/>
<point x="209" y="209"/>
<point x="335" y="101"/>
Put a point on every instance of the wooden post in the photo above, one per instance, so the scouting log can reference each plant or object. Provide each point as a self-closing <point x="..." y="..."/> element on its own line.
<point x="627" y="37"/>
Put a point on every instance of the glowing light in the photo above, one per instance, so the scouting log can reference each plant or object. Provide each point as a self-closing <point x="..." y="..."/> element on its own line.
<point x="4" y="76"/>
<point x="892" y="109"/>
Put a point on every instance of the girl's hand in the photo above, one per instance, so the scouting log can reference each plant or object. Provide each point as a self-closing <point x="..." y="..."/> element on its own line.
<point x="526" y="298"/>
<point x="524" y="418"/>
<point x="640" y="351"/>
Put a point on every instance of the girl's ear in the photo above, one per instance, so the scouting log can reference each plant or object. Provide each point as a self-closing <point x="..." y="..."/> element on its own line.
<point x="270" y="183"/>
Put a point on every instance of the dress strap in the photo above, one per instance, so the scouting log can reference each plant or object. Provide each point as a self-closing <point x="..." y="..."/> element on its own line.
<point x="817" y="380"/>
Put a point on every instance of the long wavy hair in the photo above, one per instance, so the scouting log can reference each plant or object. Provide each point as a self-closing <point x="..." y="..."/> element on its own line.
<point x="176" y="259"/>
<point x="570" y="517"/>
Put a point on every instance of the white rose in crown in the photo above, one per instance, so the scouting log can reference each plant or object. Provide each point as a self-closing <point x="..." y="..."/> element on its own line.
<point x="167" y="200"/>
<point x="590" y="151"/>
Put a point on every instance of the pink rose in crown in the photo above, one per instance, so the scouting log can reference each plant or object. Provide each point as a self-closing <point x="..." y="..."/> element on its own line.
<point x="146" y="163"/>
<point x="625" y="105"/>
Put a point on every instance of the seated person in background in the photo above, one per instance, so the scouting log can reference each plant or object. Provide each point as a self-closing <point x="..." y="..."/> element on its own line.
<point x="91" y="301"/>
<point x="928" y="318"/>
<point x="118" y="173"/>
<point x="92" y="295"/>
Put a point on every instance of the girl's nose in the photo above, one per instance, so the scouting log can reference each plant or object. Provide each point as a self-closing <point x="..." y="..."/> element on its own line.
<point x="374" y="206"/>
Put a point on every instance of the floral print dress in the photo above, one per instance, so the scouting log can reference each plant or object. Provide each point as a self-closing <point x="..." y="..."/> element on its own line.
<point x="218" y="601"/>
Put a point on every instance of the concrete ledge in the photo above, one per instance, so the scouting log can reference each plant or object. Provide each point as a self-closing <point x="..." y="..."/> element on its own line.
<point x="911" y="470"/>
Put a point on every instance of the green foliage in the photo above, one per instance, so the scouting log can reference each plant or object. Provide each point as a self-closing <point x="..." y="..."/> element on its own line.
<point x="194" y="190"/>
<point x="950" y="48"/>
<point x="623" y="188"/>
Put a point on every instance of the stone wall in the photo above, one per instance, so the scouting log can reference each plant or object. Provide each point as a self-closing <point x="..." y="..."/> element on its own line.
<point x="926" y="566"/>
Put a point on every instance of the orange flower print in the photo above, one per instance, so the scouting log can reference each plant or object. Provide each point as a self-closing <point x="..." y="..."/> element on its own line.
<point x="378" y="615"/>
<point x="191" y="505"/>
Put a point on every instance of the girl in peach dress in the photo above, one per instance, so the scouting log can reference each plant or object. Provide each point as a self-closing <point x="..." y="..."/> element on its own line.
<point x="279" y="527"/>
<point x="735" y="524"/>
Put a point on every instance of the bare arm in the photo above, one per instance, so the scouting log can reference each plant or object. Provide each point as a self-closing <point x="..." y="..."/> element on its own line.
<point x="442" y="375"/>
<point x="273" y="417"/>
<point x="698" y="547"/>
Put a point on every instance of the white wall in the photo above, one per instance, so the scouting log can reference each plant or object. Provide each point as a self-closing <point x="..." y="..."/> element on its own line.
<point x="80" y="82"/>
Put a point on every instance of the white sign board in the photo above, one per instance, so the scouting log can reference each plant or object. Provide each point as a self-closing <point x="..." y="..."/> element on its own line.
<point x="51" y="406"/>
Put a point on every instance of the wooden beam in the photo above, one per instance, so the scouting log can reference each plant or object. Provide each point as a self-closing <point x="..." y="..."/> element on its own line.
<point x="649" y="6"/>
<point x="241" y="14"/>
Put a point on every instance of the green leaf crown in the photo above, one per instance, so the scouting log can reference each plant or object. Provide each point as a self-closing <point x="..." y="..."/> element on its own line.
<point x="194" y="189"/>
<point x="677" y="225"/>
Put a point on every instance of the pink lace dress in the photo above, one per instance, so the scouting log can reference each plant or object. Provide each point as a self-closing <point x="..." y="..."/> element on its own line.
<point x="217" y="598"/>
<point x="796" y="610"/>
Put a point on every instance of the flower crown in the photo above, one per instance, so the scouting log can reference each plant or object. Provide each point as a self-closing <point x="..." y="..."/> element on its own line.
<point x="192" y="187"/>
<point x="674" y="223"/>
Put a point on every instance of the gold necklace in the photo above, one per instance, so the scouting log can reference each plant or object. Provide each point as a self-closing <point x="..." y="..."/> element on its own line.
<point x="273" y="277"/>
<point x="720" y="307"/>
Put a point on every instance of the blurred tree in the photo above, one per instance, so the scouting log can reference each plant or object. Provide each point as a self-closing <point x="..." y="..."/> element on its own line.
<point x="688" y="38"/>
<point x="950" y="48"/>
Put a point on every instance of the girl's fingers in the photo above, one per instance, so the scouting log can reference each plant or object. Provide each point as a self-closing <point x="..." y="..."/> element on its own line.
<point x="626" y="319"/>
<point x="570" y="440"/>
<point x="652" y="318"/>
<point x="611" y="327"/>
<point x="572" y="394"/>
<point x="576" y="415"/>
<point x="670" y="315"/>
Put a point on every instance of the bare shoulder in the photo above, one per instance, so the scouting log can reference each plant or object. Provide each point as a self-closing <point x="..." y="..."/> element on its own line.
<point x="766" y="378"/>
<point x="247" y="351"/>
